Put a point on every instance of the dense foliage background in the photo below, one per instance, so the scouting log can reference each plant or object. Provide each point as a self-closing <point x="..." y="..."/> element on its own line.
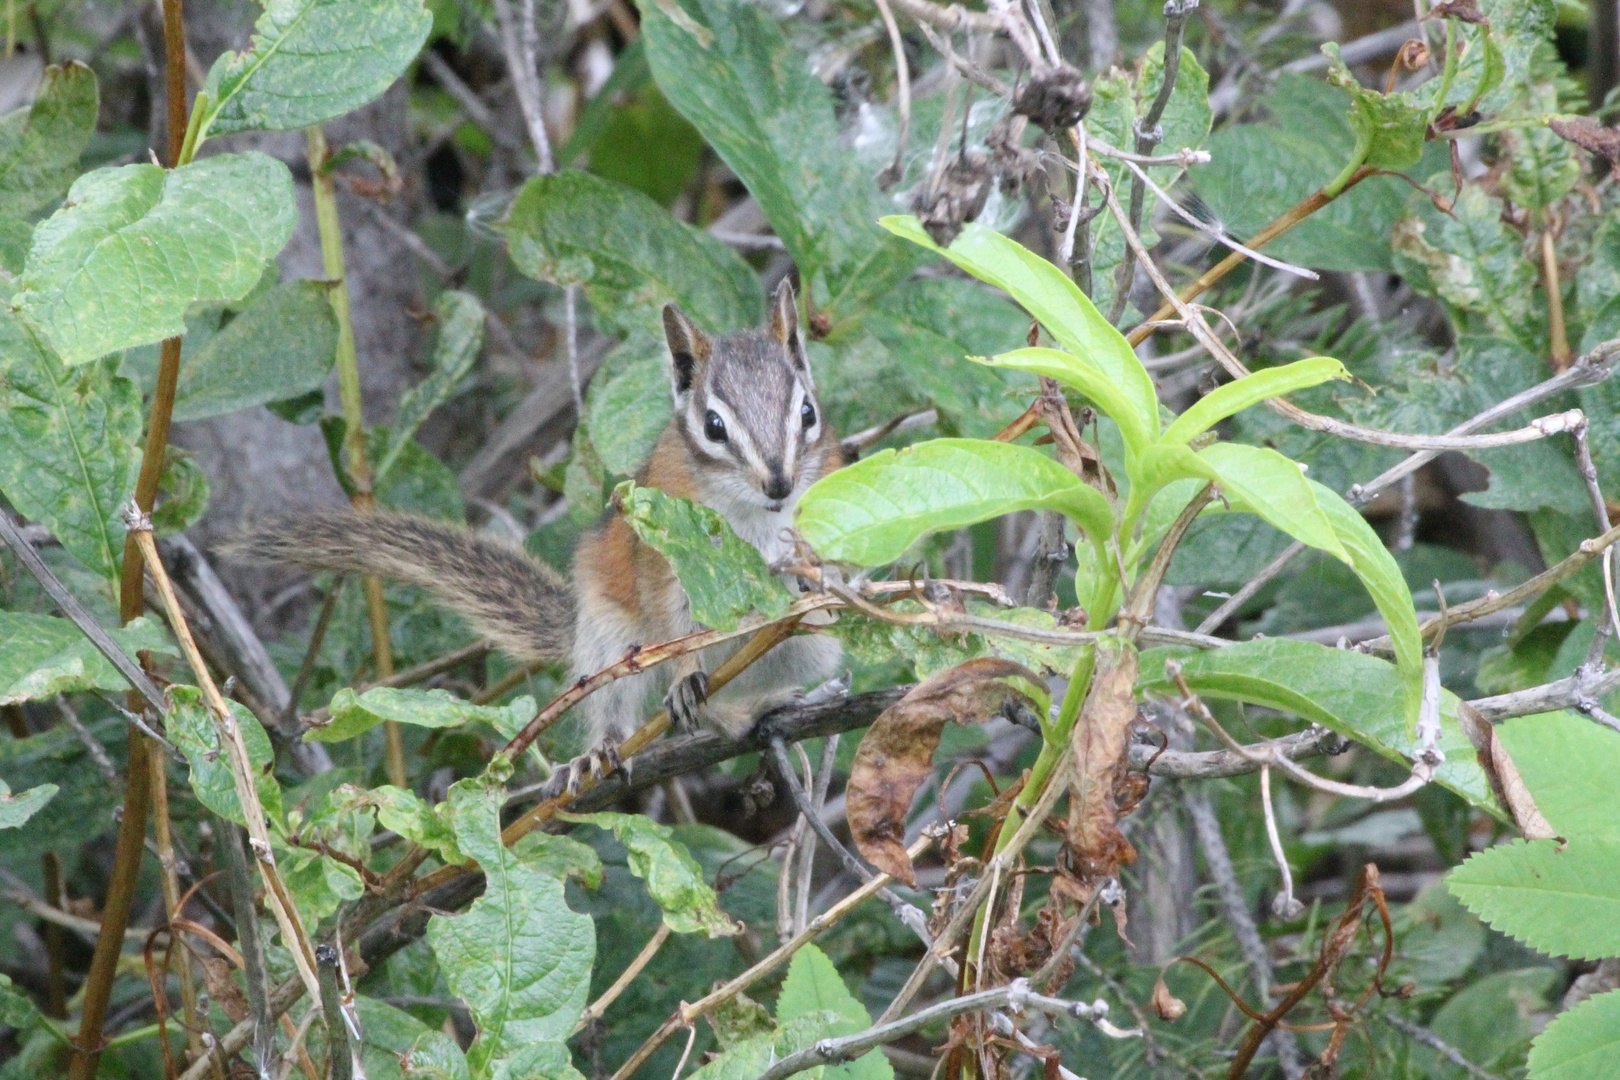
<point x="413" y="257"/>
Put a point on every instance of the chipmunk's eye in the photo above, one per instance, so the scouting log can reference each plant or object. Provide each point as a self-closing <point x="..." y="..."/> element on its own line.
<point x="807" y="413"/>
<point x="714" y="427"/>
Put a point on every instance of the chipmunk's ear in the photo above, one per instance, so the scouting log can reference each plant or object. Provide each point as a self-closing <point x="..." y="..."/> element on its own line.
<point x="689" y="347"/>
<point x="784" y="323"/>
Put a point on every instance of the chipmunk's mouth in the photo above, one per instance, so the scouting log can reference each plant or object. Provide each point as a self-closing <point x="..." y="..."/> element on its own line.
<point x="775" y="506"/>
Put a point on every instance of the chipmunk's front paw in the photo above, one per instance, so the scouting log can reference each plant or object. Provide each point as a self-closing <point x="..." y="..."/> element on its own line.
<point x="685" y="702"/>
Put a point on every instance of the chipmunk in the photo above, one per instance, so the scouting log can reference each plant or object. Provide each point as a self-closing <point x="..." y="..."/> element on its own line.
<point x="747" y="438"/>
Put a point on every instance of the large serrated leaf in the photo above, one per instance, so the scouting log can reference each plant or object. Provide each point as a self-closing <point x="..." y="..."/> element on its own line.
<point x="193" y="729"/>
<point x="1252" y="389"/>
<point x="1581" y="1043"/>
<point x="42" y="656"/>
<point x="724" y="576"/>
<point x="312" y="60"/>
<point x="134" y="246"/>
<point x="40" y="145"/>
<point x="1570" y="765"/>
<point x="673" y="877"/>
<point x="520" y="958"/>
<point x="1357" y="695"/>
<point x="1046" y="293"/>
<point x="869" y="513"/>
<point x="728" y="68"/>
<point x="629" y="254"/>
<point x="814" y="986"/>
<point x="68" y="445"/>
<point x="1561" y="899"/>
<point x="354" y="713"/>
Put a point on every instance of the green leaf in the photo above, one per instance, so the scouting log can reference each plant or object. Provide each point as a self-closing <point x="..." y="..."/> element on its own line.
<point x="1139" y="430"/>
<point x="405" y="813"/>
<point x="1234" y="397"/>
<point x="1389" y="128"/>
<point x="68" y="445"/>
<point x="1119" y="100"/>
<point x="1560" y="901"/>
<point x="561" y="857"/>
<point x="279" y="346"/>
<point x="354" y="713"/>
<point x="1473" y="261"/>
<point x="460" y="319"/>
<point x="1491" y="1019"/>
<point x="1263" y="482"/>
<point x="86" y="802"/>
<point x="629" y="254"/>
<point x="134" y="246"/>
<point x="15" y="810"/>
<point x="40" y="145"/>
<point x="628" y="407"/>
<point x="318" y="883"/>
<point x="728" y="68"/>
<point x="813" y="986"/>
<point x="192" y="728"/>
<point x="519" y="958"/>
<point x="929" y="328"/>
<point x="435" y="1056"/>
<point x="312" y="60"/>
<point x="1580" y="1043"/>
<point x="388" y="1033"/>
<point x="1056" y="302"/>
<point x="1259" y="170"/>
<point x="724" y="576"/>
<point x="183" y="493"/>
<point x="42" y="656"/>
<point x="752" y="1056"/>
<point x="870" y="512"/>
<point x="1357" y="695"/>
<point x="673" y="877"/>
<point x="1379" y="572"/>
<point x="17" y="1009"/>
<point x="1542" y="166"/>
<point x="1570" y="765"/>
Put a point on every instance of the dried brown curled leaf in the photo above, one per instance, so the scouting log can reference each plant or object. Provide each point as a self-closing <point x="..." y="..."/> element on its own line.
<point x="1166" y="1006"/>
<point x="1591" y="136"/>
<point x="1506" y="783"/>
<point x="1101" y="747"/>
<point x="1055" y="100"/>
<point x="897" y="753"/>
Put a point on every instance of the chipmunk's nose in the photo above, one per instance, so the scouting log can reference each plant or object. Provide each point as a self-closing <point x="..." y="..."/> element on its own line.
<point x="777" y="487"/>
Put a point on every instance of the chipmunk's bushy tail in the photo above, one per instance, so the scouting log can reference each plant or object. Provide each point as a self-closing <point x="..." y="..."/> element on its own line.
<point x="519" y="603"/>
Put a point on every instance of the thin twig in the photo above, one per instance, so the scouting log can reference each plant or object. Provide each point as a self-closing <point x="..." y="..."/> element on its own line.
<point x="1016" y="996"/>
<point x="594" y="1011"/>
<point x="1148" y="135"/>
<point x="687" y="1014"/>
<point x="239" y="883"/>
<point x="902" y="72"/>
<point x="1437" y="1044"/>
<point x="520" y="43"/>
<point x="913" y="919"/>
<point x="242" y="770"/>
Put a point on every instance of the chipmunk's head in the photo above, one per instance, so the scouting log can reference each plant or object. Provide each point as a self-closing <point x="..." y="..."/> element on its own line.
<point x="746" y="406"/>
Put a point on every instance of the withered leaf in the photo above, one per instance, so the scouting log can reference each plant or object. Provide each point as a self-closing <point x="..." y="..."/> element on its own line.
<point x="1590" y="135"/>
<point x="1101" y="742"/>
<point x="897" y="753"/>
<point x="1506" y="783"/>
<point x="1166" y="1006"/>
<point x="1465" y="10"/>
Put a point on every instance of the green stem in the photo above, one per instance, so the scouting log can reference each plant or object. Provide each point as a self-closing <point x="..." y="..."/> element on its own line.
<point x="354" y="423"/>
